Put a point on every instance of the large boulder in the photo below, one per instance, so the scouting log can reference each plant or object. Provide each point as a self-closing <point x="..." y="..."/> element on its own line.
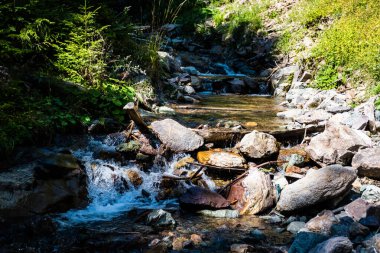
<point x="253" y="194"/>
<point x="316" y="187"/>
<point x="258" y="145"/>
<point x="197" y="198"/>
<point x="57" y="184"/>
<point x="334" y="245"/>
<point x="175" y="136"/>
<point x="337" y="144"/>
<point x="220" y="158"/>
<point x="367" y="162"/>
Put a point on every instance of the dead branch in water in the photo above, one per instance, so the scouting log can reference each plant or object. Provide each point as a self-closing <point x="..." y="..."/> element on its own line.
<point x="132" y="111"/>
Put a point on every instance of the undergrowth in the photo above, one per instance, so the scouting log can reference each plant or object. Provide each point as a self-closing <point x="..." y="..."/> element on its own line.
<point x="348" y="46"/>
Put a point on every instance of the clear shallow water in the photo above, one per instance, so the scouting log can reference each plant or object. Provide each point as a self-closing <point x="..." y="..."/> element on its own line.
<point x="261" y="109"/>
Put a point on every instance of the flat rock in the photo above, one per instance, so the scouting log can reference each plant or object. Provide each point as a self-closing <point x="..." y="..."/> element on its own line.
<point x="313" y="117"/>
<point x="367" y="162"/>
<point x="317" y="187"/>
<point x="224" y="213"/>
<point x="258" y="145"/>
<point x="337" y="144"/>
<point x="220" y="158"/>
<point x="253" y="194"/>
<point x="175" y="136"/>
<point x="334" y="245"/>
<point x="197" y="198"/>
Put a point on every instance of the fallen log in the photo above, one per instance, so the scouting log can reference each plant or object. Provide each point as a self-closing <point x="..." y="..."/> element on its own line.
<point x="134" y="115"/>
<point x="223" y="135"/>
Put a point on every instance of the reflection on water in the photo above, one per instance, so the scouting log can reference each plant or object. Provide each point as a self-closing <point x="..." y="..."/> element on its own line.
<point x="241" y="108"/>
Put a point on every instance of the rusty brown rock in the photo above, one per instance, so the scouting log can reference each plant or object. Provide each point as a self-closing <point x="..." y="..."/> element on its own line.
<point x="197" y="198"/>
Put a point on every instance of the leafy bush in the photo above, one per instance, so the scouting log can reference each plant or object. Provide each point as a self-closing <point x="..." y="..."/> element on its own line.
<point x="349" y="43"/>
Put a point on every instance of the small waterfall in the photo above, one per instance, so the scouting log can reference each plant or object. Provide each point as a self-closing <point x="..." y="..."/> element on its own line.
<point x="110" y="190"/>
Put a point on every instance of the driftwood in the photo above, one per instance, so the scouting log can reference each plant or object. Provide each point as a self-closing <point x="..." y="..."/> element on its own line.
<point x="134" y="115"/>
<point x="217" y="135"/>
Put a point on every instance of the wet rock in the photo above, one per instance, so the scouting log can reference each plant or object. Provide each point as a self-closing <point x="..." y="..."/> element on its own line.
<point x="371" y="193"/>
<point x="220" y="158"/>
<point x="313" y="117"/>
<point x="197" y="198"/>
<point x="337" y="144"/>
<point x="253" y="194"/>
<point x="258" y="145"/>
<point x="190" y="70"/>
<point x="24" y="192"/>
<point x="305" y="241"/>
<point x="237" y="86"/>
<point x="179" y="243"/>
<point x="316" y="187"/>
<point x="225" y="213"/>
<point x="134" y="177"/>
<point x="367" y="162"/>
<point x="196" y="82"/>
<point x="196" y="239"/>
<point x="183" y="162"/>
<point x="166" y="110"/>
<point x="322" y="223"/>
<point x="295" y="226"/>
<point x="175" y="136"/>
<point x="334" y="245"/>
<point x="160" y="219"/>
<point x="258" y="235"/>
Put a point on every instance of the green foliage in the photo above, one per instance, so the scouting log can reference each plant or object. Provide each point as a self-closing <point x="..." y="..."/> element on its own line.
<point x="327" y="78"/>
<point x="82" y="57"/>
<point x="349" y="42"/>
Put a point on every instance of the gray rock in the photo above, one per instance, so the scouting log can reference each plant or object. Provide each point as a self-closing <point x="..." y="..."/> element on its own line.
<point x="313" y="117"/>
<point x="29" y="190"/>
<point x="169" y="62"/>
<point x="283" y="74"/>
<point x="322" y="223"/>
<point x="356" y="121"/>
<point x="160" y="219"/>
<point x="237" y="85"/>
<point x="305" y="241"/>
<point x="316" y="187"/>
<point x="254" y="194"/>
<point x="368" y="110"/>
<point x="337" y="144"/>
<point x="371" y="193"/>
<point x="367" y="162"/>
<point x="290" y="114"/>
<point x="225" y="213"/>
<point x="295" y="226"/>
<point x="334" y="245"/>
<point x="338" y="109"/>
<point x="175" y="136"/>
<point x="258" y="235"/>
<point x="166" y="110"/>
<point x="258" y="145"/>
